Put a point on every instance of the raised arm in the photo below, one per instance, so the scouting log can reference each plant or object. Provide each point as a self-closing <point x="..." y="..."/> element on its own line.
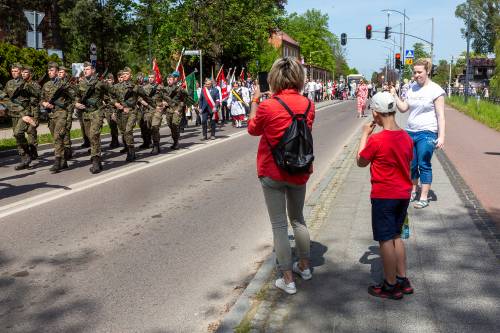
<point x="402" y="105"/>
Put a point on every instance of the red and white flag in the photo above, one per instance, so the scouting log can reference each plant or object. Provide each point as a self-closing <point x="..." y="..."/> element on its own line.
<point x="242" y="74"/>
<point x="221" y="82"/>
<point x="182" y="75"/>
<point x="156" y="69"/>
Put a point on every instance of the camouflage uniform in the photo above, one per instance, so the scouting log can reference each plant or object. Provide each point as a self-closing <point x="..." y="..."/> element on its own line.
<point x="19" y="105"/>
<point x="127" y="94"/>
<point x="58" y="116"/>
<point x="109" y="109"/>
<point x="146" y="115"/>
<point x="90" y="92"/>
<point x="174" y="97"/>
<point x="35" y="113"/>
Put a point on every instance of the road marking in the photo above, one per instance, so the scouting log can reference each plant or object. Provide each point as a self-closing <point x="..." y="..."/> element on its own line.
<point x="43" y="198"/>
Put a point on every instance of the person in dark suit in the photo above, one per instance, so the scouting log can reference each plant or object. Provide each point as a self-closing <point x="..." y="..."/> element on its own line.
<point x="208" y="102"/>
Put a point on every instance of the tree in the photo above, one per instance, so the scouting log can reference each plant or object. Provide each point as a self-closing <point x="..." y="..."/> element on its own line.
<point x="442" y="73"/>
<point x="484" y="23"/>
<point x="495" y="80"/>
<point x="419" y="51"/>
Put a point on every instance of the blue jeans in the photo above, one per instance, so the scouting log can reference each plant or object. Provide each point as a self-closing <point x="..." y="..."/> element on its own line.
<point x="424" y="143"/>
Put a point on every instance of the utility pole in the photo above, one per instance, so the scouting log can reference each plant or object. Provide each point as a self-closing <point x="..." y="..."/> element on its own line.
<point x="449" y="78"/>
<point x="149" y="27"/>
<point x="466" y="87"/>
<point x="432" y="41"/>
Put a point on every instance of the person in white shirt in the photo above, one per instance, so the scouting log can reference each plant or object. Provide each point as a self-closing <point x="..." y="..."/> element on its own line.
<point x="425" y="125"/>
<point x="311" y="90"/>
<point x="236" y="103"/>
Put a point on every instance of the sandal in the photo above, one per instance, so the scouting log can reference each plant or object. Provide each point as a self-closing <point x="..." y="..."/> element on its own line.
<point x="413" y="196"/>
<point x="421" y="204"/>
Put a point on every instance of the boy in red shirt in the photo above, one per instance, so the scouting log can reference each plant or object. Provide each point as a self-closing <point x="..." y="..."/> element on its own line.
<point x="390" y="153"/>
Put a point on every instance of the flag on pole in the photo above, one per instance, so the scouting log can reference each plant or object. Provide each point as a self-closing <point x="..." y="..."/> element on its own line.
<point x="221" y="82"/>
<point x="242" y="74"/>
<point x="191" y="89"/>
<point x="182" y="75"/>
<point x="156" y="69"/>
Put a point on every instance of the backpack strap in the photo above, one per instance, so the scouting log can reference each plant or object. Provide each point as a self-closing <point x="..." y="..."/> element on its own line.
<point x="290" y="111"/>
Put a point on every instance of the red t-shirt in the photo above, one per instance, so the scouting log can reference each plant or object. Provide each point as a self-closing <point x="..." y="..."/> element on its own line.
<point x="390" y="154"/>
<point x="270" y="122"/>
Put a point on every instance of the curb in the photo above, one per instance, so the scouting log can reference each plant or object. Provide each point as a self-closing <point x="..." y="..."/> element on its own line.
<point x="312" y="207"/>
<point x="482" y="220"/>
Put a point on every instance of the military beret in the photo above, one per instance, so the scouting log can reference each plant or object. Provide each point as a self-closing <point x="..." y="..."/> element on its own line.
<point x="27" y="68"/>
<point x="110" y="76"/>
<point x="170" y="75"/>
<point x="176" y="74"/>
<point x="127" y="70"/>
<point x="63" y="68"/>
<point x="16" y="65"/>
<point x="87" y="64"/>
<point x="53" y="65"/>
<point x="120" y="72"/>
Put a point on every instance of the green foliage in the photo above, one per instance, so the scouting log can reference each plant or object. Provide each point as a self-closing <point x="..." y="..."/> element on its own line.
<point x="495" y="80"/>
<point x="264" y="59"/>
<point x="482" y="111"/>
<point x="442" y="73"/>
<point x="318" y="45"/>
<point x="419" y="51"/>
<point x="10" y="54"/>
<point x="484" y="23"/>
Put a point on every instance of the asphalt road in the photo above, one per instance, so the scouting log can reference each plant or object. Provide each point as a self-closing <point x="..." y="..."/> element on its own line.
<point x="164" y="244"/>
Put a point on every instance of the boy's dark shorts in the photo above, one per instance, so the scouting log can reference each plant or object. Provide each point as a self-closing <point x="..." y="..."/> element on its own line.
<point x="388" y="216"/>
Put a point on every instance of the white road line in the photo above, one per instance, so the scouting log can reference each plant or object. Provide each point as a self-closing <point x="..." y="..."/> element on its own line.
<point x="43" y="198"/>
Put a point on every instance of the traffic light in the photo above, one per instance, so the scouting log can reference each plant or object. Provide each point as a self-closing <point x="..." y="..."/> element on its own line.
<point x="434" y="70"/>
<point x="387" y="33"/>
<point x="369" y="31"/>
<point x="343" y="39"/>
<point x="398" y="61"/>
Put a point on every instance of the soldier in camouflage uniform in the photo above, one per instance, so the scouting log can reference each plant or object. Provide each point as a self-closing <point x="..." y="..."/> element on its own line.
<point x="68" y="152"/>
<point x="89" y="96"/>
<point x="125" y="96"/>
<point x="19" y="96"/>
<point x="146" y="110"/>
<point x="35" y="111"/>
<point x="172" y="96"/>
<point x="108" y="113"/>
<point x="56" y="98"/>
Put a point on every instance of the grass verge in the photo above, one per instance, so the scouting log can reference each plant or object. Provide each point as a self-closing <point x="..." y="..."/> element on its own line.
<point x="8" y="144"/>
<point x="482" y="111"/>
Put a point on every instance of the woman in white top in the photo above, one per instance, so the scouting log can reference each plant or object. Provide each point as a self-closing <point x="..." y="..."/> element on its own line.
<point x="426" y="126"/>
<point x="236" y="104"/>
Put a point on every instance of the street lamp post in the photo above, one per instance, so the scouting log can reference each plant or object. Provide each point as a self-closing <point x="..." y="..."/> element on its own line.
<point x="405" y="17"/>
<point x="149" y="28"/>
<point x="466" y="82"/>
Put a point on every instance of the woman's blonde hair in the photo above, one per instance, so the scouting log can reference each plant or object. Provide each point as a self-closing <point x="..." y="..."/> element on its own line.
<point x="426" y="62"/>
<point x="286" y="73"/>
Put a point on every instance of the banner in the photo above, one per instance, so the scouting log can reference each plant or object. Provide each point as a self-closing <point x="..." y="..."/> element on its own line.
<point x="156" y="69"/>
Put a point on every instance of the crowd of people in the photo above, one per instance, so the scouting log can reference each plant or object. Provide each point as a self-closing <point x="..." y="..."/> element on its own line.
<point x="122" y="101"/>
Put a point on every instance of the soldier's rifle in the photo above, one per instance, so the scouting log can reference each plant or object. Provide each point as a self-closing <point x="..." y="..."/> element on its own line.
<point x="53" y="100"/>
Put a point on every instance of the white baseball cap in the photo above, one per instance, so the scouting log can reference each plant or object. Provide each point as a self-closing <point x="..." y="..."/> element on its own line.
<point x="383" y="102"/>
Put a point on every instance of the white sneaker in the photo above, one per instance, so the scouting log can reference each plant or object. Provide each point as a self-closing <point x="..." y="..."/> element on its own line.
<point x="288" y="288"/>
<point x="305" y="274"/>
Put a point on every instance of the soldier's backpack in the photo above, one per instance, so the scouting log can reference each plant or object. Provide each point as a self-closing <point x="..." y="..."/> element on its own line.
<point x="294" y="152"/>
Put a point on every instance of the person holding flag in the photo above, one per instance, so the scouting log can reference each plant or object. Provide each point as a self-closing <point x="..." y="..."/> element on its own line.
<point x="222" y="85"/>
<point x="208" y="101"/>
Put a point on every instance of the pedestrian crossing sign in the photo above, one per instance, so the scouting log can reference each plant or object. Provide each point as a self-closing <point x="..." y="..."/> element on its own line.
<point x="409" y="54"/>
<point x="409" y="61"/>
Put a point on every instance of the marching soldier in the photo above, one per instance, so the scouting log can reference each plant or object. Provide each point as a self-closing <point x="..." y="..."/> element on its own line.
<point x="34" y="111"/>
<point x="125" y="96"/>
<point x="88" y="100"/>
<point x="19" y="96"/>
<point x="68" y="152"/>
<point x="172" y="97"/>
<point x="146" y="111"/>
<point x="108" y="113"/>
<point x="56" y="98"/>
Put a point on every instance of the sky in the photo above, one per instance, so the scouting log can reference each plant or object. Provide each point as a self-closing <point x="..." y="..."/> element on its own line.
<point x="368" y="56"/>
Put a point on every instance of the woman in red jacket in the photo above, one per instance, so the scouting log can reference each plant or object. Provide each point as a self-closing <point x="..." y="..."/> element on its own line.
<point x="284" y="193"/>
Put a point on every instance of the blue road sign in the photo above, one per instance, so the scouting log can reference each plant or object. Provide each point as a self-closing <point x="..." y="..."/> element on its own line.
<point x="409" y="54"/>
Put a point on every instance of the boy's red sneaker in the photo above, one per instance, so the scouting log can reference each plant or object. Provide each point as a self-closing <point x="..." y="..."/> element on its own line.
<point x="405" y="286"/>
<point x="384" y="291"/>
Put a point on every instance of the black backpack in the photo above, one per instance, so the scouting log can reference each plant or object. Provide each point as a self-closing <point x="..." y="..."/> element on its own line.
<point x="294" y="152"/>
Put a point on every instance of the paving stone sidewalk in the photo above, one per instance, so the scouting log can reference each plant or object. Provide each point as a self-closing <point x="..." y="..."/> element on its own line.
<point x="453" y="268"/>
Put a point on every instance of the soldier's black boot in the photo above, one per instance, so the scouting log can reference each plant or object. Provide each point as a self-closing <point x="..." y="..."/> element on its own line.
<point x="64" y="163"/>
<point x="33" y="152"/>
<point x="124" y="150"/>
<point x="99" y="162"/>
<point x="156" y="148"/>
<point x="114" y="143"/>
<point x="57" y="165"/>
<point x="24" y="163"/>
<point x="68" y="153"/>
<point x="95" y="165"/>
<point x="130" y="154"/>
<point x="145" y="145"/>
<point x="85" y="144"/>
<point x="175" y="146"/>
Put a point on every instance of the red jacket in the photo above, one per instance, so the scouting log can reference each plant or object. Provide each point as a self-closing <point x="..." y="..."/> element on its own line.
<point x="270" y="122"/>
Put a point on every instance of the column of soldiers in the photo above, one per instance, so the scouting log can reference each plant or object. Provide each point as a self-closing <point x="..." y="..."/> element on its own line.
<point x="123" y="104"/>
